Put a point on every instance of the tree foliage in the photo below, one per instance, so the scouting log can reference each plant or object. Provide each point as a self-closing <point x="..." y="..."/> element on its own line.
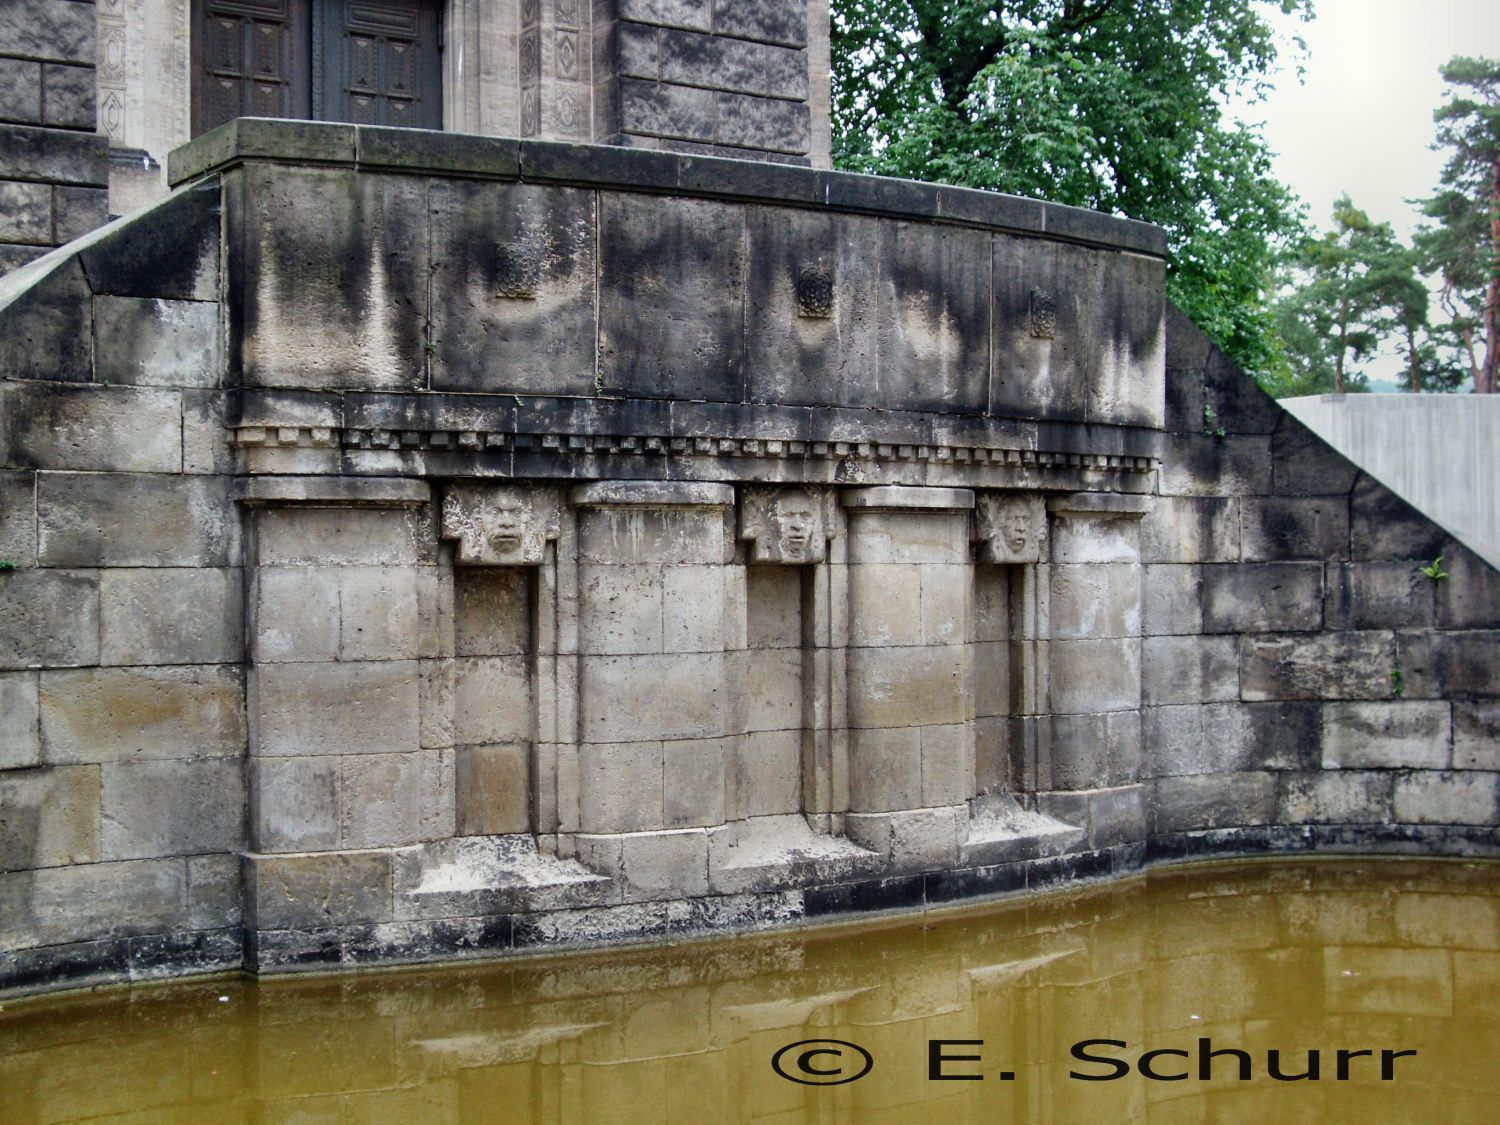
<point x="1345" y="292"/>
<point x="1462" y="244"/>
<point x="1115" y="105"/>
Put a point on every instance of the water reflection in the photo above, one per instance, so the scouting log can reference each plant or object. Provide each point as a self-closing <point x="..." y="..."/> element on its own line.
<point x="1291" y="957"/>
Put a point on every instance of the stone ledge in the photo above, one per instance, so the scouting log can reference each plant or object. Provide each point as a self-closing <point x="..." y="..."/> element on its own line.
<point x="653" y="494"/>
<point x="902" y="498"/>
<point x="428" y="151"/>
<point x="332" y="492"/>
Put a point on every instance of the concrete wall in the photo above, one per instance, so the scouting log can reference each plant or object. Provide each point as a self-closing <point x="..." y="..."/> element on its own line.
<point x="459" y="545"/>
<point x="53" y="170"/>
<point x="1437" y="452"/>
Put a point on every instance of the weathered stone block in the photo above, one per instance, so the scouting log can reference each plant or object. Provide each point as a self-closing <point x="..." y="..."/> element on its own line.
<point x="170" y="616"/>
<point x="312" y="891"/>
<point x="661" y="110"/>
<point x="49" y="817"/>
<point x="1262" y="597"/>
<point x="885" y="605"/>
<point x="620" y="787"/>
<point x="18" y="518"/>
<point x="693" y="608"/>
<point x="435" y="691"/>
<point x="491" y="611"/>
<point x="68" y="96"/>
<point x="1201" y="465"/>
<point x="1090" y="751"/>
<point x="1470" y="596"/>
<point x="136" y="714"/>
<point x="1374" y="595"/>
<point x="213" y="891"/>
<point x="342" y="537"/>
<point x="1277" y="528"/>
<point x="1338" y="797"/>
<point x="78" y="210"/>
<point x="492" y="700"/>
<point x="20" y="91"/>
<point x="775" y="21"/>
<point x="52" y="426"/>
<point x="296" y="614"/>
<point x="1172" y="600"/>
<point x="1476" y="735"/>
<point x="1317" y="666"/>
<point x="128" y="519"/>
<point x="693" y="782"/>
<point x="46" y="332"/>
<point x="694" y="251"/>
<point x="1216" y="800"/>
<point x="1117" y="816"/>
<point x="48" y="618"/>
<point x="1189" y="669"/>
<point x="1467" y="663"/>
<point x="205" y="436"/>
<point x="347" y="708"/>
<point x="747" y="121"/>
<point x="135" y="260"/>
<point x="90" y="902"/>
<point x="947" y="765"/>
<point x="653" y="697"/>
<point x="1089" y="676"/>
<point x="166" y="808"/>
<point x="923" y="839"/>
<point x="670" y="864"/>
<point x="1306" y="465"/>
<point x="1191" y="529"/>
<point x="485" y="335"/>
<point x="1447" y="797"/>
<point x="910" y="687"/>
<point x="26" y="212"/>
<point x="49" y="29"/>
<point x="624" y="536"/>
<point x="1382" y="526"/>
<point x="377" y="613"/>
<point x="1407" y="734"/>
<point x="1095" y="600"/>
<point x="493" y="785"/>
<point x="621" y="609"/>
<point x="768" y="773"/>
<point x="294" y="804"/>
<point x="389" y="800"/>
<point x="305" y="239"/>
<point x="885" y="770"/>
<point x="20" y="733"/>
<point x="149" y="342"/>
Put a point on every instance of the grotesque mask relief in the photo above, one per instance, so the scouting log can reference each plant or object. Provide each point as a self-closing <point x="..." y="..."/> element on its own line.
<point x="784" y="525"/>
<point x="500" y="525"/>
<point x="1010" y="527"/>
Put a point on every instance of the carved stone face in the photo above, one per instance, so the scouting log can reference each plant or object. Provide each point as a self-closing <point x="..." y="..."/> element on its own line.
<point x="504" y="525"/>
<point x="1010" y="529"/>
<point x="794" y="521"/>
<point x="784" y="525"/>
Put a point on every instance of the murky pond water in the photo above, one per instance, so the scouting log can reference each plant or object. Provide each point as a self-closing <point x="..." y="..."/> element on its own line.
<point x="1288" y="957"/>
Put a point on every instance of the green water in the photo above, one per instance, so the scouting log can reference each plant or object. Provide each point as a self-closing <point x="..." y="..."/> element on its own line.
<point x="1287" y="956"/>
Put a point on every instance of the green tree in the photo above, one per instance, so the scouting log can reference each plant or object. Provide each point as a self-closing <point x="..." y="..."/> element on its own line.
<point x="1115" y="105"/>
<point x="1463" y="247"/>
<point x="1344" y="293"/>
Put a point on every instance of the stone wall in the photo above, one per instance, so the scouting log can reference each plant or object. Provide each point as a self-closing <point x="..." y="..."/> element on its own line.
<point x="457" y="546"/>
<point x="1305" y="684"/>
<point x="53" y="169"/>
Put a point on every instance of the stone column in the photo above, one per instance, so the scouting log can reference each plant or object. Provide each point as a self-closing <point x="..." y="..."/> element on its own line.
<point x="659" y="603"/>
<point x="344" y="605"/>
<point x="1088" y="770"/>
<point x="910" y="671"/>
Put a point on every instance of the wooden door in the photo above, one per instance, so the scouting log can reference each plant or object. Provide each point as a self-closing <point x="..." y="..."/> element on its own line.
<point x="379" y="63"/>
<point x="252" y="60"/>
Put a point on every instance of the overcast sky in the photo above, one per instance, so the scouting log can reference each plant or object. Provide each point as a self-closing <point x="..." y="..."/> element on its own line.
<point x="1361" y="120"/>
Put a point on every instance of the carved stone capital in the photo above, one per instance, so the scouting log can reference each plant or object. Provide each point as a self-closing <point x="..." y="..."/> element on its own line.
<point x="786" y="525"/>
<point x="1010" y="527"/>
<point x="501" y="524"/>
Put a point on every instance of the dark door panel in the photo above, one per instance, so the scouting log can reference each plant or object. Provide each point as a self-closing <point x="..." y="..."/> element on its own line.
<point x="381" y="63"/>
<point x="251" y="60"/>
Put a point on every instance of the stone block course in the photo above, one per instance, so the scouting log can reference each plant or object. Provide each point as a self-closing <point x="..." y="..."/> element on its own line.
<point x="1447" y="797"/>
<point x="49" y="618"/>
<point x="140" y="714"/>
<point x="390" y="800"/>
<point x="170" y="616"/>
<point x="1388" y="735"/>
<point x="1199" y="801"/>
<point x="59" y="30"/>
<point x="1336" y="797"/>
<point x="49" y="817"/>
<point x="170" y="808"/>
<point x="20" y="729"/>
<point x="51" y="426"/>
<point x="150" y="342"/>
<point x="294" y="804"/>
<point x="356" y="707"/>
<point x="1375" y="595"/>
<point x="311" y="891"/>
<point x="91" y="902"/>
<point x="68" y="96"/>
<point x="1189" y="670"/>
<point x="1191" y="529"/>
<point x="1476" y="735"/>
<point x="1274" y="529"/>
<point x="1263" y="597"/>
<point x="135" y="520"/>
<point x="1344" y="665"/>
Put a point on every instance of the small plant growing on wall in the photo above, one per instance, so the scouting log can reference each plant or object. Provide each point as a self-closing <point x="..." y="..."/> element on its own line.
<point x="7" y="564"/>
<point x="1435" y="571"/>
<point x="1211" y="416"/>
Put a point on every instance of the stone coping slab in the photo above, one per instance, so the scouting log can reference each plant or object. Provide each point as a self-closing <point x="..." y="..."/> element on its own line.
<point x="654" y="494"/>
<point x="430" y="152"/>
<point x="899" y="497"/>
<point x="333" y="492"/>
